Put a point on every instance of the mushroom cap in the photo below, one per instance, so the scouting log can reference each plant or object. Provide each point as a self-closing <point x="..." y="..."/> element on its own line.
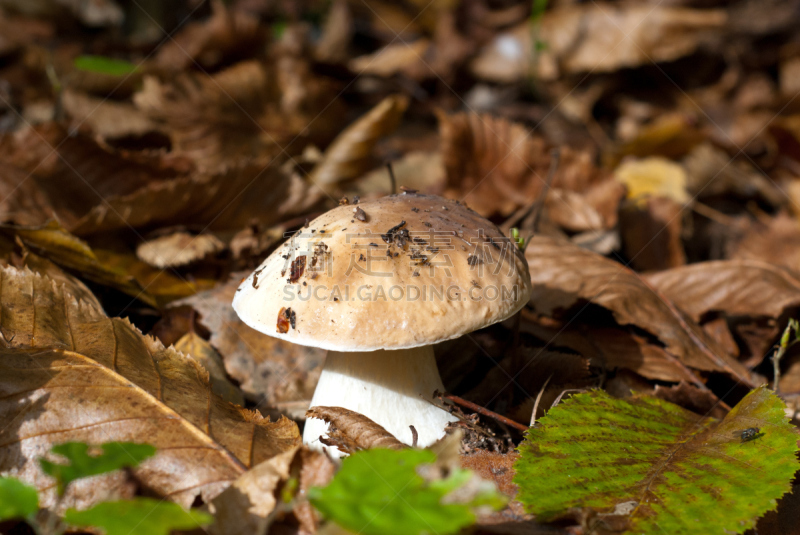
<point x="403" y="271"/>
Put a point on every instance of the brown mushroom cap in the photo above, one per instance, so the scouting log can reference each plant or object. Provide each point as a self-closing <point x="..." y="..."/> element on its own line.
<point x="417" y="270"/>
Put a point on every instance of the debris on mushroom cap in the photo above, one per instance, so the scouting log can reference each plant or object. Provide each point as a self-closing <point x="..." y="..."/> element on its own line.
<point x="297" y="269"/>
<point x="360" y="214"/>
<point x="418" y="290"/>
<point x="344" y="200"/>
<point x="286" y="318"/>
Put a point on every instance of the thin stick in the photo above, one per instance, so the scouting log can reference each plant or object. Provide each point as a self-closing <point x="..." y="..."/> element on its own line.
<point x="484" y="411"/>
<point x="538" y="399"/>
<point x="536" y="210"/>
<point x="391" y="177"/>
<point x="414" y="436"/>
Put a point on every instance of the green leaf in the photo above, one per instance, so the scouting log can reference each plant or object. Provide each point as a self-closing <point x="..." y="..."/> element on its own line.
<point x="537" y="9"/>
<point x="115" y="455"/>
<point x="142" y="516"/>
<point x="380" y="492"/>
<point x="103" y="65"/>
<point x="17" y="500"/>
<point x="684" y="473"/>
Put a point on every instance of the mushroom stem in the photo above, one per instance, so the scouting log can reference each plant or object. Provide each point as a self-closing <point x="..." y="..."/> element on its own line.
<point x="393" y="388"/>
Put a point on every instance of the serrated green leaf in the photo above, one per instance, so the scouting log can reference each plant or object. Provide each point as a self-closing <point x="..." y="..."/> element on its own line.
<point x="142" y="516"/>
<point x="115" y="455"/>
<point x="380" y="492"/>
<point x="687" y="474"/>
<point x="17" y="500"/>
<point x="103" y="65"/>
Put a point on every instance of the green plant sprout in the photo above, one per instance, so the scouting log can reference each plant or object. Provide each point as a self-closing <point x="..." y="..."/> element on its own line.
<point x="787" y="340"/>
<point x="519" y="240"/>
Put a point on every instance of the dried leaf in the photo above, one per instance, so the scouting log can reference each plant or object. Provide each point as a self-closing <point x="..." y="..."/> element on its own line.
<point x="219" y="119"/>
<point x="178" y="249"/>
<point x="691" y="398"/>
<point x="201" y="351"/>
<point x="651" y="233"/>
<point x="654" y="176"/>
<point x="227" y="35"/>
<point x="266" y="368"/>
<point x="78" y="375"/>
<point x="227" y="199"/>
<point x="733" y="287"/>
<point x="597" y="37"/>
<point x="777" y="242"/>
<point x="394" y="58"/>
<point x="349" y="154"/>
<point x="54" y="243"/>
<point x="350" y="431"/>
<point x="496" y="166"/>
<point x="564" y="275"/>
<point x="44" y="182"/>
<point x="243" y="507"/>
<point x="106" y="119"/>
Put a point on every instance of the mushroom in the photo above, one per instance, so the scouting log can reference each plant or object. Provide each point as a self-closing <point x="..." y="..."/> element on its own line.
<point x="377" y="294"/>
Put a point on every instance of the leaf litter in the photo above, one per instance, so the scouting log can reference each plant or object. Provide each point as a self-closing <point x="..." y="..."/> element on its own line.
<point x="143" y="178"/>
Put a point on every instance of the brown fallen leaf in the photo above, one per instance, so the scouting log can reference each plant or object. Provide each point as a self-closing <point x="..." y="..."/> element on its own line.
<point x="243" y="507"/>
<point x="496" y="166"/>
<point x="52" y="174"/>
<point x="394" y="58"/>
<point x="227" y="35"/>
<point x="178" y="249"/>
<point x="219" y="119"/>
<point x="53" y="242"/>
<point x="597" y="37"/>
<point x="12" y="253"/>
<point x="267" y="369"/>
<point x="105" y="118"/>
<point x="76" y="374"/>
<point x="691" y="398"/>
<point x="564" y="276"/>
<point x="609" y="348"/>
<point x="651" y="233"/>
<point x="776" y="241"/>
<point x="349" y="154"/>
<point x="734" y="287"/>
<point x="194" y="346"/>
<point x="350" y="431"/>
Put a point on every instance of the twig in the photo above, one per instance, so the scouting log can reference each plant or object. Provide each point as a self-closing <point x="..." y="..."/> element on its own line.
<point x="561" y="395"/>
<point x="414" y="436"/>
<point x="538" y="399"/>
<point x="482" y="410"/>
<point x="391" y="177"/>
<point x="536" y="209"/>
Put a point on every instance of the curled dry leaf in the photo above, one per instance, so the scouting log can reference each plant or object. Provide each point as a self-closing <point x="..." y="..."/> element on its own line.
<point x="496" y="166"/>
<point x="56" y="244"/>
<point x="349" y="154"/>
<point x="564" y="276"/>
<point x="218" y="119"/>
<point x="224" y="37"/>
<point x="243" y="507"/>
<point x="777" y="242"/>
<point x="350" y="431"/>
<point x="227" y="199"/>
<point x="597" y="37"/>
<point x="733" y="287"/>
<point x="267" y="368"/>
<point x="394" y="58"/>
<point x="71" y="373"/>
<point x="50" y="173"/>
<point x="194" y="346"/>
<point x="106" y="118"/>
<point x="178" y="249"/>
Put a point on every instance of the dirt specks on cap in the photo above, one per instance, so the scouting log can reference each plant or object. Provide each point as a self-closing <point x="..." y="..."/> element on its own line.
<point x="360" y="214"/>
<point x="473" y="260"/>
<point x="286" y="318"/>
<point x="297" y="269"/>
<point x="256" y="273"/>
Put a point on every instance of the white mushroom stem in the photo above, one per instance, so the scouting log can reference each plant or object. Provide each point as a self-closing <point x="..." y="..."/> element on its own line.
<point x="393" y="388"/>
